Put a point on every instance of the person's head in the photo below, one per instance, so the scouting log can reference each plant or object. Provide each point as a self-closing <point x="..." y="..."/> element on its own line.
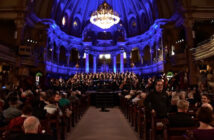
<point x="205" y="115"/>
<point x="57" y="97"/>
<point x="143" y="95"/>
<point x="159" y="85"/>
<point x="43" y="96"/>
<point x="31" y="125"/>
<point x="207" y="105"/>
<point x="205" y="99"/>
<point x="13" y="100"/>
<point x="174" y="100"/>
<point x="132" y="92"/>
<point x="182" y="106"/>
<point x="27" y="110"/>
<point x="182" y="95"/>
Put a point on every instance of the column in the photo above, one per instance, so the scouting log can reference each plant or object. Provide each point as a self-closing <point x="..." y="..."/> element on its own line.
<point x="68" y="55"/>
<point x="157" y="51"/>
<point x="86" y="62"/>
<point x="151" y="53"/>
<point x="81" y="54"/>
<point x="162" y="50"/>
<point x="141" y="56"/>
<point x="114" y="63"/>
<point x="52" y="54"/>
<point x="128" y="60"/>
<point x="19" y="31"/>
<point x="191" y="66"/>
<point x="58" y="55"/>
<point x="122" y="61"/>
<point x="95" y="63"/>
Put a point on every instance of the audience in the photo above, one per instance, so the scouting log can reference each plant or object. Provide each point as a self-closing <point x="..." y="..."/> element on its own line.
<point x="151" y="93"/>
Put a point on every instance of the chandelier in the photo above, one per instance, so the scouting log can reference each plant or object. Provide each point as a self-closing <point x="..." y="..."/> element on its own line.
<point x="104" y="17"/>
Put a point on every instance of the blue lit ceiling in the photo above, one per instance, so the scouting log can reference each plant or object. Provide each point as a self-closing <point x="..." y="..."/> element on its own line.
<point x="136" y="15"/>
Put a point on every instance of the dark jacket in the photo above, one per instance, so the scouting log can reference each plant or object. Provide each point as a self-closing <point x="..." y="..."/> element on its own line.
<point x="159" y="102"/>
<point x="181" y="119"/>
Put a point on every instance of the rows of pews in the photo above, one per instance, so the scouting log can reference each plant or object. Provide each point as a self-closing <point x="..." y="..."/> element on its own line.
<point x="149" y="127"/>
<point x="57" y="125"/>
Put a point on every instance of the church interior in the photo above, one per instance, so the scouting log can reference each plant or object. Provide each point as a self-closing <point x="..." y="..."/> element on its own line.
<point x="107" y="69"/>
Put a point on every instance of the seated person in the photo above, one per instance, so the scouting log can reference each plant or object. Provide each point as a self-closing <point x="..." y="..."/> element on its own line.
<point x="15" y="124"/>
<point x="204" y="99"/>
<point x="137" y="97"/>
<point x="142" y="98"/>
<point x="205" y="131"/>
<point x="173" y="106"/>
<point x="31" y="127"/>
<point x="181" y="118"/>
<point x="12" y="111"/>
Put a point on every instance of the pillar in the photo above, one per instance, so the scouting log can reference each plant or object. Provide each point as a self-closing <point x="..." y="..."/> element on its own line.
<point x="157" y="51"/>
<point x="114" y="63"/>
<point x="58" y="55"/>
<point x="151" y="53"/>
<point x="191" y="66"/>
<point x="141" y="57"/>
<point x="19" y="31"/>
<point x="122" y="61"/>
<point x="81" y="54"/>
<point x="128" y="60"/>
<point x="94" y="63"/>
<point x="87" y="62"/>
<point x="52" y="54"/>
<point x="68" y="55"/>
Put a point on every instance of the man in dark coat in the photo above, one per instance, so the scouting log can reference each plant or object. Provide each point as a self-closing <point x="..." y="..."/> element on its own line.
<point x="158" y="100"/>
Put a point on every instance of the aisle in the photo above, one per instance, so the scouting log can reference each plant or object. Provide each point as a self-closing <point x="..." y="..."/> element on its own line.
<point x="96" y="125"/>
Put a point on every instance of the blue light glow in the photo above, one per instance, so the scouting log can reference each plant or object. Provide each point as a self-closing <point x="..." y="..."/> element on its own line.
<point x="150" y="38"/>
<point x="154" y="68"/>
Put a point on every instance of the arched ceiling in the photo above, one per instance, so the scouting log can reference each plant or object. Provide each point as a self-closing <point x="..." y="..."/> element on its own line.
<point x="136" y="15"/>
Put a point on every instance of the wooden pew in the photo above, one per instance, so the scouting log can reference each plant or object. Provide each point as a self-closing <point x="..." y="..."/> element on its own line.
<point x="156" y="125"/>
<point x="142" y="124"/>
<point x="176" y="133"/>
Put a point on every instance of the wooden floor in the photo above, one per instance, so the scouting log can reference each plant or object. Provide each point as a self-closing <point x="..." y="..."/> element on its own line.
<point x="96" y="125"/>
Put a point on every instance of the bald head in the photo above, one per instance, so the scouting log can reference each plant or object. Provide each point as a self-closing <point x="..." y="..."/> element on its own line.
<point x="31" y="125"/>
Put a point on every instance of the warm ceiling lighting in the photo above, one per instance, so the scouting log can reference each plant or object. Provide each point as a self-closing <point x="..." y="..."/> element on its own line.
<point x="104" y="17"/>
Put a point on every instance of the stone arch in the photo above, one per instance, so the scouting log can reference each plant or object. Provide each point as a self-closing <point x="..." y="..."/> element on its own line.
<point x="132" y="24"/>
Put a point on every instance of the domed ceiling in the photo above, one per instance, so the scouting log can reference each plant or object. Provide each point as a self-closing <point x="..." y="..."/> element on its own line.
<point x="73" y="16"/>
